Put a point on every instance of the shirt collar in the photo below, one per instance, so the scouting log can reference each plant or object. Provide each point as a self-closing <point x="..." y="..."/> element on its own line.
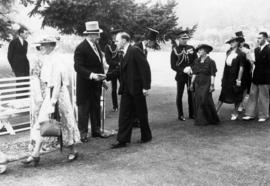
<point x="21" y="40"/>
<point x="143" y="44"/>
<point x="262" y="47"/>
<point x="89" y="41"/>
<point x="125" y="48"/>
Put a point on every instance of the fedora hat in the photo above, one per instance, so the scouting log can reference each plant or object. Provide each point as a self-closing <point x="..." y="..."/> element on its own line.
<point x="115" y="31"/>
<point x="92" y="27"/>
<point x="238" y="39"/>
<point x="206" y="47"/>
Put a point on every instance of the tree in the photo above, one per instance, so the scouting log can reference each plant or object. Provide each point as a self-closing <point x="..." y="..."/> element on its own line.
<point x="69" y="16"/>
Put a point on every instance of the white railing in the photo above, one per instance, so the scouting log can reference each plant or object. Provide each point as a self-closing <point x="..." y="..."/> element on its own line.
<point x="15" y="104"/>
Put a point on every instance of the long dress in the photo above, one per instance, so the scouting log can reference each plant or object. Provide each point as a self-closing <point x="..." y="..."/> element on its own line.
<point x="54" y="74"/>
<point x="230" y="93"/>
<point x="205" y="111"/>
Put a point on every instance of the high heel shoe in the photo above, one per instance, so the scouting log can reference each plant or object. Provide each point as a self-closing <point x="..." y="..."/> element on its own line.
<point x="72" y="156"/>
<point x="31" y="159"/>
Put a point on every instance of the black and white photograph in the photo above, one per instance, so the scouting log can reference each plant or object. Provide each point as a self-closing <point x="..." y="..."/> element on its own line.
<point x="134" y="93"/>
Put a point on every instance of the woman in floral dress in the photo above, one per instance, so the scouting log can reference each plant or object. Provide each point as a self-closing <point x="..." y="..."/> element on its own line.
<point x="54" y="96"/>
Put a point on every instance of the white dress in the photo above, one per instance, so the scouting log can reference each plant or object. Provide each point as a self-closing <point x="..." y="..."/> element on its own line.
<point x="54" y="74"/>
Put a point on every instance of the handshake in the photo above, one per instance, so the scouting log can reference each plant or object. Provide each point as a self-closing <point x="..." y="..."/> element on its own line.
<point x="97" y="77"/>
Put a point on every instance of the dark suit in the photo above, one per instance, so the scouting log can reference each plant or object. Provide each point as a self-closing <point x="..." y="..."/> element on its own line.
<point x="17" y="57"/>
<point x="113" y="61"/>
<point x="135" y="75"/>
<point x="144" y="50"/>
<point x="178" y="63"/>
<point x="88" y="91"/>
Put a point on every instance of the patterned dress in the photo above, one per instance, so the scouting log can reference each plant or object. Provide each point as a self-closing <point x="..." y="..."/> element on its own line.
<point x="53" y="74"/>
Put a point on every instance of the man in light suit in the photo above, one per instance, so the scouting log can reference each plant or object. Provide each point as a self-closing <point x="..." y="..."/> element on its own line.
<point x="135" y="82"/>
<point x="90" y="73"/>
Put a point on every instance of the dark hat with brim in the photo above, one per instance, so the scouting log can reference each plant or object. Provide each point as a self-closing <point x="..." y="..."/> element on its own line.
<point x="206" y="47"/>
<point x="237" y="39"/>
<point x="151" y="34"/>
<point x="183" y="34"/>
<point x="115" y="31"/>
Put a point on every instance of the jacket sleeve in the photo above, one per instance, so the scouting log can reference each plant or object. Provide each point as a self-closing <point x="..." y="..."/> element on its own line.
<point x="79" y="60"/>
<point x="144" y="68"/>
<point x="173" y="61"/>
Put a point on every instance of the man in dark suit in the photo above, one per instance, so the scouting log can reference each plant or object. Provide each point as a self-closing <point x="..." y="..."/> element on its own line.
<point x="90" y="73"/>
<point x="182" y="58"/>
<point x="17" y="54"/>
<point x="112" y="59"/>
<point x="259" y="92"/>
<point x="135" y="81"/>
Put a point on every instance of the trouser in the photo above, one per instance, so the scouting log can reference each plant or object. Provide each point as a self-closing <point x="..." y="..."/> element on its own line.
<point x="126" y="116"/>
<point x="114" y="93"/>
<point x="258" y="103"/>
<point x="180" y="90"/>
<point x="90" y="108"/>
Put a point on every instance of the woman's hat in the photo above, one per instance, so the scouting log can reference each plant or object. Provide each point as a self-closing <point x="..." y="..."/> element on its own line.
<point x="46" y="41"/>
<point x="238" y="39"/>
<point x="206" y="47"/>
<point x="92" y="27"/>
<point x="151" y="34"/>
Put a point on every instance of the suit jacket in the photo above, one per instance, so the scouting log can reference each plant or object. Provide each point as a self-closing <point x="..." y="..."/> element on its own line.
<point x="261" y="74"/>
<point x="17" y="57"/>
<point x="87" y="62"/>
<point x="178" y="65"/>
<point x="135" y="73"/>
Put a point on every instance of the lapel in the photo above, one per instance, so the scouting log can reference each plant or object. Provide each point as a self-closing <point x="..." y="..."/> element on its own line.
<point x="126" y="57"/>
<point x="19" y="42"/>
<point x="89" y="48"/>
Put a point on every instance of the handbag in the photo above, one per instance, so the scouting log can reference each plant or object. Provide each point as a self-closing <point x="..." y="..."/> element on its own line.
<point x="50" y="128"/>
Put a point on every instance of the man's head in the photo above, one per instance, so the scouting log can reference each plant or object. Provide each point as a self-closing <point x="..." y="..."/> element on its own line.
<point x="122" y="39"/>
<point x="262" y="38"/>
<point x="183" y="38"/>
<point x="23" y="33"/>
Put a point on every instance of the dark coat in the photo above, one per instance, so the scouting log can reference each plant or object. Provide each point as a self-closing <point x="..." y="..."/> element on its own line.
<point x="17" y="57"/>
<point x="140" y="45"/>
<point x="261" y="74"/>
<point x="86" y="62"/>
<point x="135" y="73"/>
<point x="178" y="65"/>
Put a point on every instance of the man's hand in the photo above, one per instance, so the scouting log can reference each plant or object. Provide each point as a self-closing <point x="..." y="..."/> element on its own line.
<point x="97" y="77"/>
<point x="145" y="92"/>
<point x="238" y="83"/>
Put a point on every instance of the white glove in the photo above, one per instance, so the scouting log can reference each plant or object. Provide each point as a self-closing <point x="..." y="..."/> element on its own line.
<point x="97" y="77"/>
<point x="188" y="70"/>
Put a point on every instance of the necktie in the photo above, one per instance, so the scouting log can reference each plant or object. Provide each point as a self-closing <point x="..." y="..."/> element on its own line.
<point x="96" y="50"/>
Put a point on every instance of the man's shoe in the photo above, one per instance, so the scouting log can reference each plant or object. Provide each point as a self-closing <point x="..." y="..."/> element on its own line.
<point x="84" y="140"/>
<point x="247" y="118"/>
<point x="181" y="118"/>
<point x="99" y="135"/>
<point x="118" y="145"/>
<point x="234" y="117"/>
<point x="144" y="141"/>
<point x="262" y="120"/>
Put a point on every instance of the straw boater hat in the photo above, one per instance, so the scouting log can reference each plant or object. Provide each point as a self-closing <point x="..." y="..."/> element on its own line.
<point x="92" y="27"/>
<point x="235" y="38"/>
<point x="206" y="47"/>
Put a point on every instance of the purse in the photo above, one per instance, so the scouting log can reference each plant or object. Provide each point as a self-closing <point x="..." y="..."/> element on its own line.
<point x="50" y="128"/>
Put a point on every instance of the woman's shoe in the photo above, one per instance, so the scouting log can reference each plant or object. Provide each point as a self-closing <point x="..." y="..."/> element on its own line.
<point x="234" y="117"/>
<point x="72" y="156"/>
<point x="31" y="159"/>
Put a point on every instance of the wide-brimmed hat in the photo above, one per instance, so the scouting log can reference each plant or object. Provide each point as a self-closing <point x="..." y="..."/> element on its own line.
<point x="46" y="41"/>
<point x="92" y="27"/>
<point x="238" y="39"/>
<point x="206" y="47"/>
<point x="183" y="34"/>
